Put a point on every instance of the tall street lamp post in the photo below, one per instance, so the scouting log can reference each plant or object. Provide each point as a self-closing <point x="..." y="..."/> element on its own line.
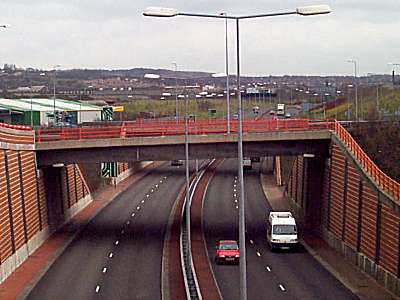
<point x="54" y="92"/>
<point x="228" y="117"/>
<point x="353" y="61"/>
<point x="176" y="91"/>
<point x="304" y="11"/>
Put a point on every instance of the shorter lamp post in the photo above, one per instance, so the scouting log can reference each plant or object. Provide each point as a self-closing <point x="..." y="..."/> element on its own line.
<point x="354" y="62"/>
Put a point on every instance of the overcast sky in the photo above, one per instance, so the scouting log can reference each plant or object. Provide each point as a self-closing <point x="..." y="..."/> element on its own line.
<point x="114" y="34"/>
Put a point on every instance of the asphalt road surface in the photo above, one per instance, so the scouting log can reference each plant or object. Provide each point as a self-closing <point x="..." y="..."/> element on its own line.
<point x="270" y="275"/>
<point x="119" y="254"/>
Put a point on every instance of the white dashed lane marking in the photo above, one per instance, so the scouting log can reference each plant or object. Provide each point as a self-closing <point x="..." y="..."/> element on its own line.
<point x="237" y="207"/>
<point x="116" y="242"/>
<point x="258" y="254"/>
<point x="142" y="201"/>
<point x="268" y="269"/>
<point x="122" y="231"/>
<point x="138" y="207"/>
<point x="252" y="242"/>
<point x="104" y="270"/>
<point x="147" y="195"/>
<point x="128" y="222"/>
<point x="97" y="289"/>
<point x="282" y="288"/>
<point x="110" y="255"/>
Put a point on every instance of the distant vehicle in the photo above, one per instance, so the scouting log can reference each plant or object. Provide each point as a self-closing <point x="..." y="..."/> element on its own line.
<point x="247" y="163"/>
<point x="280" y="109"/>
<point x="255" y="159"/>
<point x="282" y="231"/>
<point x="228" y="252"/>
<point x="177" y="162"/>
<point x="288" y="115"/>
<point x="256" y="110"/>
<point x="271" y="112"/>
<point x="235" y="116"/>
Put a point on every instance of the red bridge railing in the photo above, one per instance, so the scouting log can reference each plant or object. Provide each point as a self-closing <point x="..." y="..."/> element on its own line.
<point x="169" y="128"/>
<point x="389" y="185"/>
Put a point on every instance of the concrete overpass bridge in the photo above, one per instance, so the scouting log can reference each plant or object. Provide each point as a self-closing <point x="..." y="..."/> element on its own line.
<point x="164" y="140"/>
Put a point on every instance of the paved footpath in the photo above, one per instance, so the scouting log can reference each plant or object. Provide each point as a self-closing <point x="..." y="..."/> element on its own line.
<point x="361" y="284"/>
<point x="26" y="275"/>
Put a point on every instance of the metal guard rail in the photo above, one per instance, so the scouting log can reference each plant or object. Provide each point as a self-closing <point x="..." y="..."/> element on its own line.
<point x="388" y="184"/>
<point x="167" y="128"/>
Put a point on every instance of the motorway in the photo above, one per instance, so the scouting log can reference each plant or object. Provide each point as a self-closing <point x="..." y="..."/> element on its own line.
<point x="278" y="275"/>
<point x="119" y="254"/>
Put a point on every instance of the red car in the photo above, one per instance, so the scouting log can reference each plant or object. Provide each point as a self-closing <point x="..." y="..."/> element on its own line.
<point x="227" y="251"/>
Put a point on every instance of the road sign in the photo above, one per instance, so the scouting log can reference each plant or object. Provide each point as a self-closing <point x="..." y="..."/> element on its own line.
<point x="107" y="113"/>
<point x="118" y="108"/>
<point x="109" y="169"/>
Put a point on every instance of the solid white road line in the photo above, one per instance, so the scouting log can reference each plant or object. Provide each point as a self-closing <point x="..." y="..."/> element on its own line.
<point x="282" y="288"/>
<point x="268" y="269"/>
<point x="97" y="289"/>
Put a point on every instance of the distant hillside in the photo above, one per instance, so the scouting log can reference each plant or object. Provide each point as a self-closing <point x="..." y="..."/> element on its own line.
<point x="83" y="74"/>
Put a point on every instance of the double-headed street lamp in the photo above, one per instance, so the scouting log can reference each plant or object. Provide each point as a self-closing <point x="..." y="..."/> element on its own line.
<point x="304" y="11"/>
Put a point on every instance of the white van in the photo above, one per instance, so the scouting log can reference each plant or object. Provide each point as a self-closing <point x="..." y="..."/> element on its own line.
<point x="282" y="231"/>
<point x="247" y="163"/>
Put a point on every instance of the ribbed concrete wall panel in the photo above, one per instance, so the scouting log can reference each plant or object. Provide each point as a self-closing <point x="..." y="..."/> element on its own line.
<point x="368" y="222"/>
<point x="30" y="192"/>
<point x="5" y="235"/>
<point x="43" y="203"/>
<point x="337" y="192"/>
<point x="389" y="243"/>
<point x="325" y="198"/>
<point x="16" y="198"/>
<point x="71" y="184"/>
<point x="300" y="179"/>
<point x="79" y="183"/>
<point x="12" y="138"/>
<point x="65" y="189"/>
<point x="352" y="207"/>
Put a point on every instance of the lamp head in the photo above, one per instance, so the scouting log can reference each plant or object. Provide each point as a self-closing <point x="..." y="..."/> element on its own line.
<point x="312" y="10"/>
<point x="162" y="12"/>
